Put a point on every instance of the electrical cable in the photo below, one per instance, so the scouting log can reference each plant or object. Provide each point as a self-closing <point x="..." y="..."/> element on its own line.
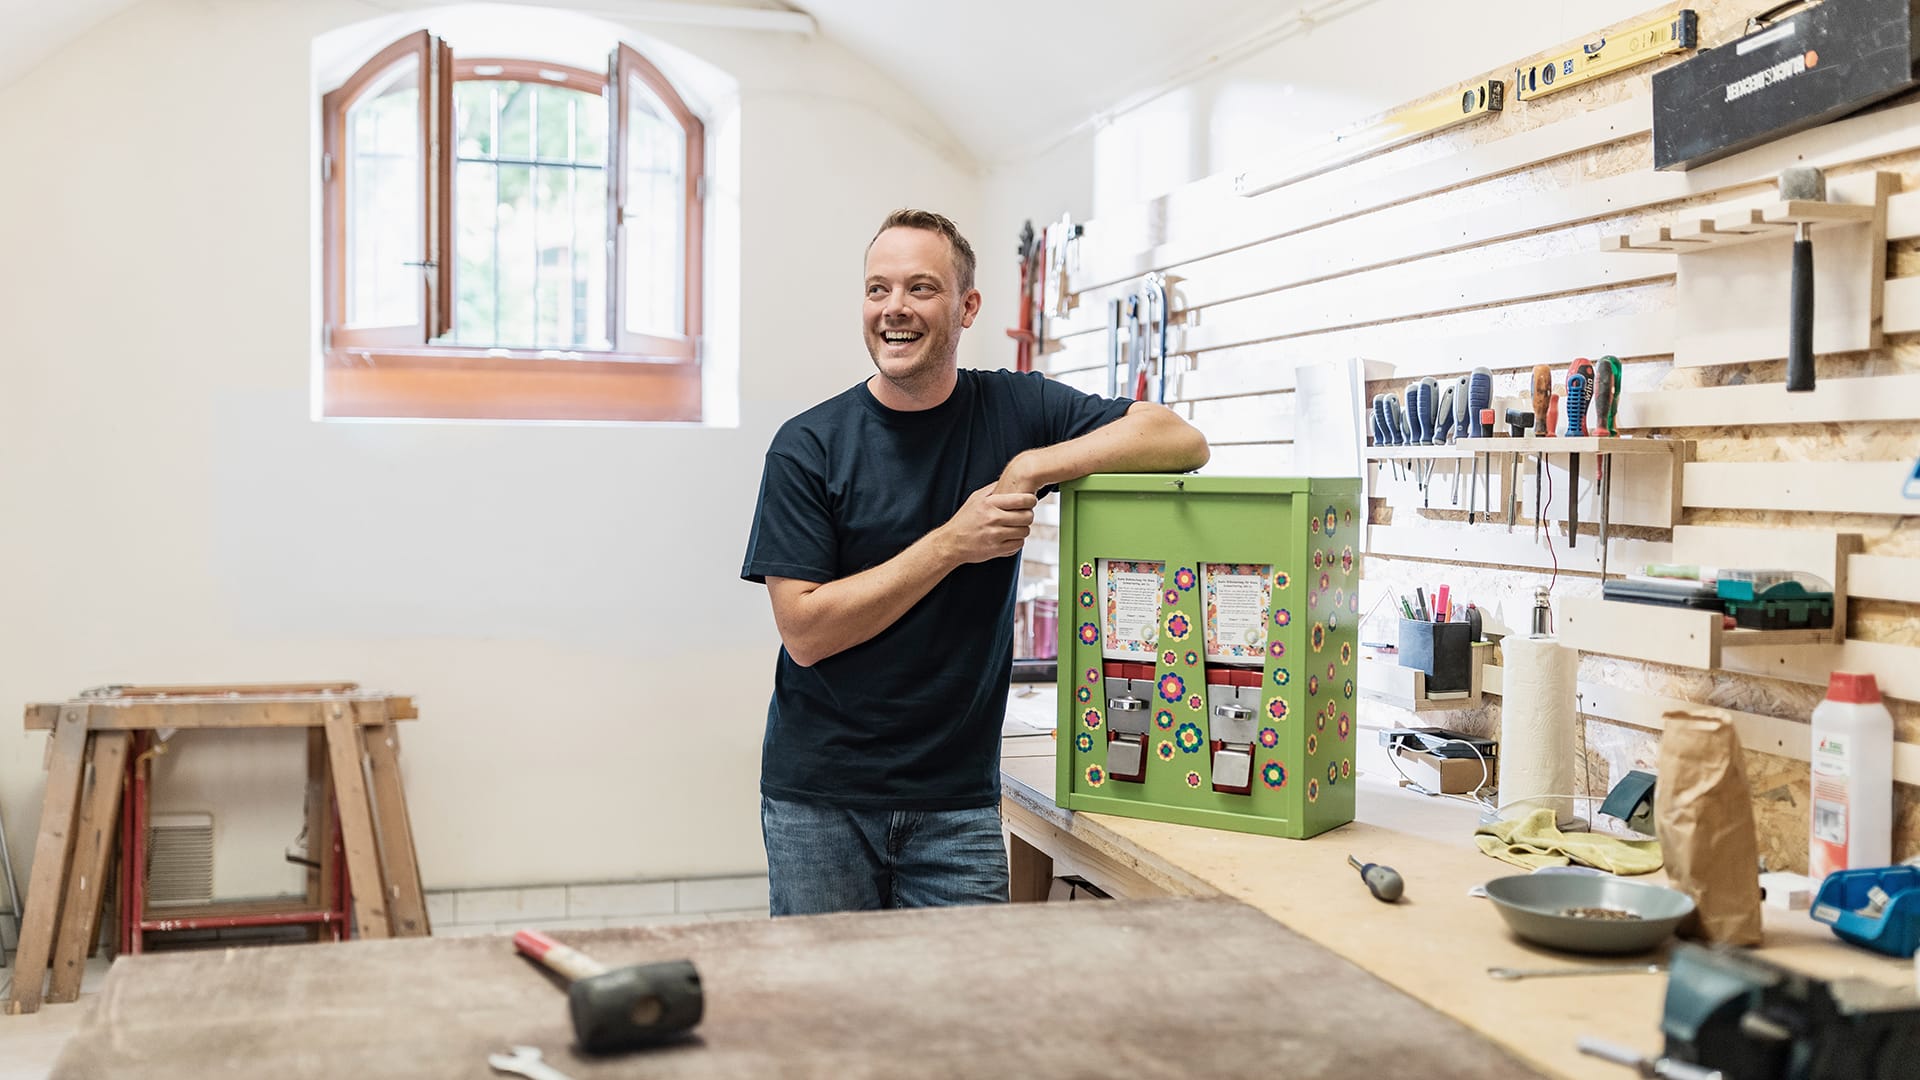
<point x="1429" y="742"/>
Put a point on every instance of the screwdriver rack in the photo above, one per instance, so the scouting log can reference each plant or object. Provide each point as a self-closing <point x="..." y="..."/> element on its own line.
<point x="1646" y="494"/>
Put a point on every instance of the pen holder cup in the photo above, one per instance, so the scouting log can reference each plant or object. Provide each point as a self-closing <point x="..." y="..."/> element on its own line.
<point x="1443" y="650"/>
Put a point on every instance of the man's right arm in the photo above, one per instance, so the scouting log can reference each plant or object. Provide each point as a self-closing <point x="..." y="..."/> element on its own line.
<point x="817" y="620"/>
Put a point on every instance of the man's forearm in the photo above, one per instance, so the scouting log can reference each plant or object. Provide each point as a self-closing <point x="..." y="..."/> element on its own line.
<point x="838" y="615"/>
<point x="1149" y="438"/>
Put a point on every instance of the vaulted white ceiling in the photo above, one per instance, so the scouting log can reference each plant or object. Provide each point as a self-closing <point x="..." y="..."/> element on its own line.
<point x="1008" y="77"/>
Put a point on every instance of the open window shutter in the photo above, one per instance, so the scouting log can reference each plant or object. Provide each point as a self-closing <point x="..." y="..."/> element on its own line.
<point x="654" y="215"/>
<point x="388" y="205"/>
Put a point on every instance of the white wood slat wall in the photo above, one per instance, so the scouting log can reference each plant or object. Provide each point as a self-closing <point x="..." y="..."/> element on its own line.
<point x="1482" y="247"/>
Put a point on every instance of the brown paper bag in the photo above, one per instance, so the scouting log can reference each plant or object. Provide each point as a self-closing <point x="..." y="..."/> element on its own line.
<point x="1704" y="817"/>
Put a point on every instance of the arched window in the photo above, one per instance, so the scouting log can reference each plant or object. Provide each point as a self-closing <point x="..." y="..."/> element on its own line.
<point x="510" y="239"/>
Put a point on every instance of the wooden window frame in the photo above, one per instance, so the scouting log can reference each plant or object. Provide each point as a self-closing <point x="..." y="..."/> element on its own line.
<point x="400" y="373"/>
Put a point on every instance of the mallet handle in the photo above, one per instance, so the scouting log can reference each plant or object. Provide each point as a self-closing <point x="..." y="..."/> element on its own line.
<point x="566" y="960"/>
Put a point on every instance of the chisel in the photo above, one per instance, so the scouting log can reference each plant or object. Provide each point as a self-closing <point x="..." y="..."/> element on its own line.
<point x="1543" y="424"/>
<point x="1605" y="409"/>
<point x="1576" y="427"/>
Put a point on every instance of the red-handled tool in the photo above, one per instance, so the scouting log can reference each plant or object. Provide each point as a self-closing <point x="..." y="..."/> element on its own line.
<point x="620" y="1008"/>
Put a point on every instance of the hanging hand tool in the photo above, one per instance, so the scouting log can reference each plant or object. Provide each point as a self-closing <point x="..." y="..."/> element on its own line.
<point x="1114" y="321"/>
<point x="1032" y="265"/>
<point x="1153" y="344"/>
<point x="1605" y="410"/>
<point x="1459" y="429"/>
<point x="1421" y="395"/>
<point x="1136" y="349"/>
<point x="1383" y="437"/>
<point x="1443" y="428"/>
<point x="1543" y="424"/>
<point x="1576" y="427"/>
<point x="1382" y="881"/>
<point x="1479" y="398"/>
<point x="1518" y="421"/>
<point x="1807" y="183"/>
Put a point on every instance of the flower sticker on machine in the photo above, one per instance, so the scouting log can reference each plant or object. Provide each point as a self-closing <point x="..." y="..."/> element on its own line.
<point x="1172" y="687"/>
<point x="1313" y="790"/>
<point x="1165" y="749"/>
<point x="1277" y="708"/>
<point x="1282" y="617"/>
<point x="1096" y="776"/>
<point x="1086" y="597"/>
<point x="1091" y="718"/>
<point x="1178" y="627"/>
<point x="1183" y="578"/>
<point x="1089" y="634"/>
<point x="1281" y="676"/>
<point x="1083" y="742"/>
<point x="1193" y="779"/>
<point x="1084" y="694"/>
<point x="1346" y="559"/>
<point x="1086" y="569"/>
<point x="1163" y="719"/>
<point x="1269" y="738"/>
<point x="1319" y="636"/>
<point x="1190" y="738"/>
<point x="1194" y="703"/>
<point x="1274" y="774"/>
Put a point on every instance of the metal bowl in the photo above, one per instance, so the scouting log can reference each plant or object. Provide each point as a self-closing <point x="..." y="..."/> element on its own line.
<point x="1533" y="905"/>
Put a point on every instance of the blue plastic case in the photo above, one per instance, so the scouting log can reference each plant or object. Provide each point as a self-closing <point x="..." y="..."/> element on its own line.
<point x="1896" y="932"/>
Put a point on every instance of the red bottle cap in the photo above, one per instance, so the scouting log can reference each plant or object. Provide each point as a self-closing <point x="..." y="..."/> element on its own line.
<point x="1854" y="688"/>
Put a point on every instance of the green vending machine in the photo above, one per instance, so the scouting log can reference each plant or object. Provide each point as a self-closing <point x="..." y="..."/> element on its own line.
<point x="1207" y="636"/>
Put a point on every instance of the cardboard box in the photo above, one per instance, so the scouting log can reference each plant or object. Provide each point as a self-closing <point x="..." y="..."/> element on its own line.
<point x="1449" y="776"/>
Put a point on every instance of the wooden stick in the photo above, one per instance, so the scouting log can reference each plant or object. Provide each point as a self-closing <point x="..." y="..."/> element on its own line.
<point x="345" y="754"/>
<point x="405" y="897"/>
<point x="87" y="884"/>
<point x="50" y="851"/>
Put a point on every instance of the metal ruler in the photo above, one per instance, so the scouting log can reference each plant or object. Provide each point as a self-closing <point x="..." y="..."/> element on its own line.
<point x="1664" y="36"/>
<point x="1371" y="137"/>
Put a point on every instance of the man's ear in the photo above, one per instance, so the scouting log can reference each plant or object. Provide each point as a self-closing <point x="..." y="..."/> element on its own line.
<point x="972" y="308"/>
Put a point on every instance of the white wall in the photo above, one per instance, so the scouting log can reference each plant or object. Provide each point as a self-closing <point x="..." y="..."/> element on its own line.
<point x="1371" y="56"/>
<point x="563" y="600"/>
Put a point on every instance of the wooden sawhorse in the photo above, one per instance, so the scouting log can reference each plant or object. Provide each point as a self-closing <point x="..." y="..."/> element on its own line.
<point x="354" y="750"/>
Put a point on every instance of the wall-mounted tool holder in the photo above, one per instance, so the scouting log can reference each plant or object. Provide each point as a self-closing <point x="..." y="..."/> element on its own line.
<point x="1731" y="292"/>
<point x="1230" y="606"/>
<point x="1696" y="639"/>
<point x="1385" y="681"/>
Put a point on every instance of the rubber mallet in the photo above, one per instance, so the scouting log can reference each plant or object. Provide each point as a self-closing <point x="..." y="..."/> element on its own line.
<point x="620" y="1008"/>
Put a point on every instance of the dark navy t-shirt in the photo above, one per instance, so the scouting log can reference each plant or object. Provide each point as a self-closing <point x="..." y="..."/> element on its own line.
<point x="909" y="719"/>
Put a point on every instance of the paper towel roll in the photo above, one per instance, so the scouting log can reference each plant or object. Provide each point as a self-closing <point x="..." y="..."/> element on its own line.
<point x="1537" y="714"/>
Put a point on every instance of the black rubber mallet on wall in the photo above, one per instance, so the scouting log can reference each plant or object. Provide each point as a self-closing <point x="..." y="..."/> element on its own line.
<point x="1805" y="183"/>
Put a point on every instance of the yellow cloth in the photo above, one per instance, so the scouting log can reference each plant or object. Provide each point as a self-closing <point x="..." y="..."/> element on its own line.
<point x="1533" y="842"/>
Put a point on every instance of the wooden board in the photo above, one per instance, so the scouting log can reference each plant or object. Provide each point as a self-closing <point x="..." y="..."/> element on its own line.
<point x="1155" y="990"/>
<point x="406" y="901"/>
<point x="58" y="809"/>
<point x="185" y="714"/>
<point x="87" y="881"/>
<point x="367" y="882"/>
<point x="1835" y="487"/>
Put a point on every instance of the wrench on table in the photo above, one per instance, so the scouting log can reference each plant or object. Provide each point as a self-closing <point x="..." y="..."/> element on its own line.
<point x="525" y="1061"/>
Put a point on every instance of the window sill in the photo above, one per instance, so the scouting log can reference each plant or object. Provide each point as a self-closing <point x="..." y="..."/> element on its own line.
<point x="478" y="384"/>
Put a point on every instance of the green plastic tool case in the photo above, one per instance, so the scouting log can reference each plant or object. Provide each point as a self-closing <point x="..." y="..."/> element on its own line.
<point x="1207" y="650"/>
<point x="1784" y="605"/>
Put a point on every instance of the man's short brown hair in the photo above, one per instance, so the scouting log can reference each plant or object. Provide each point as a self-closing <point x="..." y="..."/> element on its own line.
<point x="963" y="262"/>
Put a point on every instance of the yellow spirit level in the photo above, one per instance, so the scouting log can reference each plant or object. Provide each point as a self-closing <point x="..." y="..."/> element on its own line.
<point x="1375" y="136"/>
<point x="1662" y="37"/>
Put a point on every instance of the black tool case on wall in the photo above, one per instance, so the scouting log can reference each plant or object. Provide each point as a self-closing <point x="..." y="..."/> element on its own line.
<point x="1802" y="69"/>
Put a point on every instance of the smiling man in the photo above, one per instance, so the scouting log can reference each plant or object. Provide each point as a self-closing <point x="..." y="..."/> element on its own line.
<point x="888" y="534"/>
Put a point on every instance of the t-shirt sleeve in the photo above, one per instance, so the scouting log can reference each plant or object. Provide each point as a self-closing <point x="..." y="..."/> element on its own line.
<point x="792" y="533"/>
<point x="1067" y="413"/>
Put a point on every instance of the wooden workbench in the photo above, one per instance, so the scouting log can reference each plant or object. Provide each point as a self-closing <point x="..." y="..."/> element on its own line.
<point x="1435" y="945"/>
<point x="1167" y="989"/>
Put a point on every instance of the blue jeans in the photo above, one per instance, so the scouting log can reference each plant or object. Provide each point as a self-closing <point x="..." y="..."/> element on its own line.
<point x="821" y="858"/>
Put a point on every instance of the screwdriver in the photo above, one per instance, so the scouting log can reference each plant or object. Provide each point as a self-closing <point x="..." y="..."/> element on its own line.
<point x="1578" y="377"/>
<point x="1543" y="424"/>
<point x="1382" y="881"/>
<point x="1605" y="410"/>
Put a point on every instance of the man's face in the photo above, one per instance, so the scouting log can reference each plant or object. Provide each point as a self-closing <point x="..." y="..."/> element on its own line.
<point x="914" y="307"/>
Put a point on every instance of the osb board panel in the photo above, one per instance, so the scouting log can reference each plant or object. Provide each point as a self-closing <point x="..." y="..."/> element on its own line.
<point x="949" y="992"/>
<point x="1180" y="222"/>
